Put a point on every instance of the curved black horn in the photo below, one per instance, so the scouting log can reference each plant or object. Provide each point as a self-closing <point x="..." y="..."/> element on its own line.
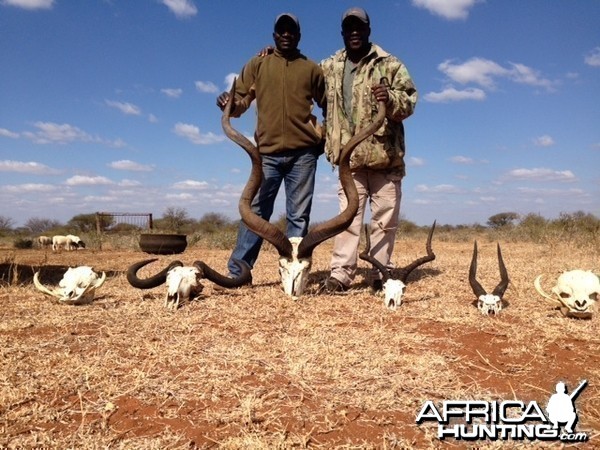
<point x="222" y="280"/>
<point x="477" y="289"/>
<point x="365" y="256"/>
<point x="153" y="281"/>
<point x="501" y="288"/>
<point x="405" y="271"/>
<point x="257" y="224"/>
<point x="336" y="225"/>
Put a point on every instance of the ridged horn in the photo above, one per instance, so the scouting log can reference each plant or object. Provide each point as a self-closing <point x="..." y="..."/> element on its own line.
<point x="257" y="224"/>
<point x="475" y="286"/>
<point x="365" y="256"/>
<point x="406" y="270"/>
<point x="501" y="288"/>
<point x="154" y="280"/>
<point x="222" y="280"/>
<point x="339" y="223"/>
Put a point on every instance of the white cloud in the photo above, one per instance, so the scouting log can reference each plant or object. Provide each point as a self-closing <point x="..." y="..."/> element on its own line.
<point x="415" y="162"/>
<point x="9" y="134"/>
<point x="81" y="180"/>
<point x="206" y="87"/>
<point x="124" y="107"/>
<point x="191" y="185"/>
<point x="126" y="164"/>
<point x="476" y="70"/>
<point x="27" y="187"/>
<point x="543" y="141"/>
<point x="181" y="8"/>
<point x="448" y="9"/>
<point x="484" y="72"/>
<point x="453" y="95"/>
<point x="541" y="174"/>
<point x="192" y="134"/>
<point x="172" y="92"/>
<point x="438" y="189"/>
<point x="229" y="80"/>
<point x="29" y="4"/>
<point x="26" y="167"/>
<point x="49" y="132"/>
<point x="522" y="74"/>
<point x="462" y="160"/>
<point x="182" y="196"/>
<point x="129" y="183"/>
<point x="593" y="58"/>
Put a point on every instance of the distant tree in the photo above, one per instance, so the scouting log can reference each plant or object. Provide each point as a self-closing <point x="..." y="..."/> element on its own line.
<point x="502" y="219"/>
<point x="83" y="222"/>
<point x="40" y="225"/>
<point x="212" y="222"/>
<point x="6" y="223"/>
<point x="174" y="219"/>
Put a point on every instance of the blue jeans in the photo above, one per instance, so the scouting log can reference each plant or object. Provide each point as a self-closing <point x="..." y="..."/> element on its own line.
<point x="296" y="168"/>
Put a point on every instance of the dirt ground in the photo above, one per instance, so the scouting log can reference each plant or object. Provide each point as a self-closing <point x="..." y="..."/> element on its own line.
<point x="251" y="368"/>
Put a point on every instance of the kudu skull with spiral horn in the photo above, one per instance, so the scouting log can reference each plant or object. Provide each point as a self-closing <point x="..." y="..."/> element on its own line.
<point x="295" y="254"/>
<point x="393" y="286"/>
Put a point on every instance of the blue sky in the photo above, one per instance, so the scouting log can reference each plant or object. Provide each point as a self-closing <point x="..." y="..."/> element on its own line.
<point x="109" y="105"/>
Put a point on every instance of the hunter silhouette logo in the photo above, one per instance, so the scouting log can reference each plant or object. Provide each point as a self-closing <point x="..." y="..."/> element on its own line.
<point x="507" y="420"/>
<point x="561" y="406"/>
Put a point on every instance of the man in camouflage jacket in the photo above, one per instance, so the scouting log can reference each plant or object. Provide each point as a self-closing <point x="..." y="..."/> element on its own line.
<point x="356" y="78"/>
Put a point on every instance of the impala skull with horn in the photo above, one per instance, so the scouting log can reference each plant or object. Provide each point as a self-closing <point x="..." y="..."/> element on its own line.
<point x="488" y="303"/>
<point x="393" y="286"/>
<point x="576" y="293"/>
<point x="295" y="254"/>
<point x="77" y="286"/>
<point x="183" y="282"/>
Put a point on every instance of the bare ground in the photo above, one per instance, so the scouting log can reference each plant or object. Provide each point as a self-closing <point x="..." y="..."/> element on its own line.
<point x="250" y="368"/>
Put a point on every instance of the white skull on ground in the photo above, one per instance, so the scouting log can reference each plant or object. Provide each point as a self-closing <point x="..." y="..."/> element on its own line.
<point x="576" y="293"/>
<point x="294" y="272"/>
<point x="77" y="286"/>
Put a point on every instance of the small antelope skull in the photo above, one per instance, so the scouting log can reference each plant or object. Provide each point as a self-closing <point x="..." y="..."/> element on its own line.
<point x="77" y="286"/>
<point x="488" y="303"/>
<point x="393" y="288"/>
<point x="183" y="282"/>
<point x="575" y="292"/>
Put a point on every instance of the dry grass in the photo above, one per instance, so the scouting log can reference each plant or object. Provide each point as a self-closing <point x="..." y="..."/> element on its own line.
<point x="250" y="368"/>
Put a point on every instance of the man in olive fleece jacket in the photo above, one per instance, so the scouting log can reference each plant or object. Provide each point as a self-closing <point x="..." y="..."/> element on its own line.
<point x="285" y="84"/>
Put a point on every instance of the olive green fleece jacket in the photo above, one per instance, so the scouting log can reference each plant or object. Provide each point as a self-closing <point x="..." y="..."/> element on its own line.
<point x="285" y="89"/>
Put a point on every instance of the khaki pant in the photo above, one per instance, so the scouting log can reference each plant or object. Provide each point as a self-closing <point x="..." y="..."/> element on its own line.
<point x="383" y="189"/>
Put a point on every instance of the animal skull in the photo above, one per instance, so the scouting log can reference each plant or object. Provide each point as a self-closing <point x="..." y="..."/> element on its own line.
<point x="183" y="282"/>
<point x="575" y="292"/>
<point x="77" y="286"/>
<point x="393" y="288"/>
<point x="488" y="303"/>
<point x="294" y="272"/>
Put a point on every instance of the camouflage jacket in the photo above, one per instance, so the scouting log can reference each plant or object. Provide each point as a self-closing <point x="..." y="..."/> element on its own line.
<point x="385" y="149"/>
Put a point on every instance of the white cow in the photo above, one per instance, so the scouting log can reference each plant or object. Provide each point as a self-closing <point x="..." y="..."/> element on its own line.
<point x="68" y="242"/>
<point x="44" y="241"/>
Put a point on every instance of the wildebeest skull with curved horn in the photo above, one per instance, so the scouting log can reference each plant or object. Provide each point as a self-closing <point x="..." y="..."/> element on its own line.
<point x="488" y="303"/>
<point x="295" y="254"/>
<point x="393" y="286"/>
<point x="77" y="286"/>
<point x="183" y="282"/>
